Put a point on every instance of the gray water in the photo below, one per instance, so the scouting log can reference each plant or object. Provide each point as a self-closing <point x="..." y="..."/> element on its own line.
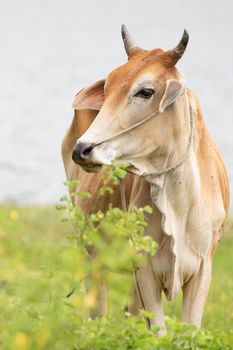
<point x="50" y="49"/>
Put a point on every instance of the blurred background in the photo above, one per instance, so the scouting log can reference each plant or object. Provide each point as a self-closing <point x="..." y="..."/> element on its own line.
<point x="52" y="48"/>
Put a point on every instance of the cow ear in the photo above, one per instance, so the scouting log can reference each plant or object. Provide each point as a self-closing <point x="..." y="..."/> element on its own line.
<point x="91" y="97"/>
<point x="174" y="89"/>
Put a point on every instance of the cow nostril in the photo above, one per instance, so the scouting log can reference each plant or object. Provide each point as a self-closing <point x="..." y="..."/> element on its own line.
<point x="85" y="152"/>
<point x="81" y="151"/>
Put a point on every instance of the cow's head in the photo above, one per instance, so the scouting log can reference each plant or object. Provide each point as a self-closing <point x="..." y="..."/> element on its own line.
<point x="148" y="84"/>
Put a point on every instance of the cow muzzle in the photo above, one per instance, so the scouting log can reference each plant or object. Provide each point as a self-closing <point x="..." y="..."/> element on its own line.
<point x="82" y="155"/>
<point x="82" y="152"/>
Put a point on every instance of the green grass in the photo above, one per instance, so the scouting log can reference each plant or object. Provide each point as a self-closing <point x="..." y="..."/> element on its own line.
<point x="38" y="264"/>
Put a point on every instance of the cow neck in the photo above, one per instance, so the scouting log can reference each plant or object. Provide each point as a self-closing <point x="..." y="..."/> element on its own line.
<point x="151" y="177"/>
<point x="183" y="158"/>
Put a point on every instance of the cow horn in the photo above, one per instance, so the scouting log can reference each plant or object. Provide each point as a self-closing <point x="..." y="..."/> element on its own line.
<point x="127" y="39"/>
<point x="179" y="50"/>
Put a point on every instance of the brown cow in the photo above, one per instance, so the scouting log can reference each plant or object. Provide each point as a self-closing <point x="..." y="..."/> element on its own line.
<point x="144" y="115"/>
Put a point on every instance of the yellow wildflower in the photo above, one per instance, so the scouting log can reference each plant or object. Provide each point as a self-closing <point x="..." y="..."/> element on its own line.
<point x="21" y="342"/>
<point x="14" y="214"/>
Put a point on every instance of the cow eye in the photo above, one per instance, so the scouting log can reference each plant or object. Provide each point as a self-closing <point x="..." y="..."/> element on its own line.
<point x="145" y="93"/>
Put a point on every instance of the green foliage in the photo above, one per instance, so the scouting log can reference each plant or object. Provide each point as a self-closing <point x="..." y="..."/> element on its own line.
<point x="131" y="333"/>
<point x="45" y="304"/>
<point x="110" y="244"/>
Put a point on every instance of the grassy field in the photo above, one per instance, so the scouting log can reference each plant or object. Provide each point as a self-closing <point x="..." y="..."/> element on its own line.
<point x="38" y="265"/>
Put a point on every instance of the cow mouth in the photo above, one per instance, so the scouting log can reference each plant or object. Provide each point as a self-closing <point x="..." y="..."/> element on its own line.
<point x="88" y="166"/>
<point x="91" y="168"/>
<point x="97" y="167"/>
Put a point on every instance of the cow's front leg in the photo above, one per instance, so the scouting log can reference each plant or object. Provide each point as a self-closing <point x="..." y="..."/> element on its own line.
<point x="149" y="295"/>
<point x="195" y="293"/>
